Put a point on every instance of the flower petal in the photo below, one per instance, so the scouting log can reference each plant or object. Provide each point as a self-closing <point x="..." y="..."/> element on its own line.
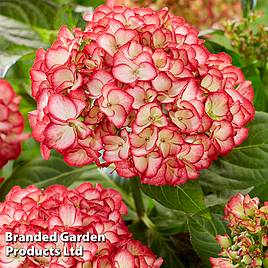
<point x="146" y="72"/>
<point x="59" y="137"/>
<point x="61" y="107"/>
<point x="56" y="57"/>
<point x="124" y="73"/>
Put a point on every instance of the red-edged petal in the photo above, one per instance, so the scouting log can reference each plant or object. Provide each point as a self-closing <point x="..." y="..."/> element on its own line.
<point x="62" y="78"/>
<point x="108" y="43"/>
<point x="119" y="117"/>
<point x="146" y="72"/>
<point x="124" y="73"/>
<point x="120" y="97"/>
<point x="124" y="36"/>
<point x="59" y="137"/>
<point x="56" y="57"/>
<point x="217" y="105"/>
<point x="61" y="107"/>
<point x="124" y="259"/>
<point x="69" y="215"/>
<point x="162" y="82"/>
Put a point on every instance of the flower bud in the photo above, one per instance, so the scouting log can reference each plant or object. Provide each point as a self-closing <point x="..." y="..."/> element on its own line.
<point x="224" y="241"/>
<point x="235" y="207"/>
<point x="265" y="240"/>
<point x="256" y="262"/>
<point x="246" y="259"/>
<point x="233" y="254"/>
<point x="264" y="209"/>
<point x="248" y="241"/>
<point x="250" y="205"/>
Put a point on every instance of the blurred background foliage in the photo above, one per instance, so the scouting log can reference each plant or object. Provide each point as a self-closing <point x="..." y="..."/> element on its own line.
<point x="184" y="233"/>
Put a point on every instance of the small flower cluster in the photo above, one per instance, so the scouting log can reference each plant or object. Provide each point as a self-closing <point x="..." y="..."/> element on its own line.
<point x="85" y="209"/>
<point x="248" y="37"/>
<point x="140" y="87"/>
<point x="11" y="124"/>
<point x="247" y="246"/>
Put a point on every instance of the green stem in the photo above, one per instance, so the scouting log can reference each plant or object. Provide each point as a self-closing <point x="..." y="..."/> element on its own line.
<point x="147" y="221"/>
<point x="137" y="196"/>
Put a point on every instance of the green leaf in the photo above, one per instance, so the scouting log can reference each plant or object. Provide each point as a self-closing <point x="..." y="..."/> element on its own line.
<point x="188" y="198"/>
<point x="46" y="36"/>
<point x="32" y="12"/>
<point x="203" y="233"/>
<point x="6" y="170"/>
<point x="171" y="224"/>
<point x="164" y="247"/>
<point x="9" y="56"/>
<point x="260" y="191"/>
<point x="260" y="94"/>
<point x="55" y="171"/>
<point x="209" y="31"/>
<point x="92" y="3"/>
<point x="30" y="151"/>
<point x="160" y="244"/>
<point x="19" y="33"/>
<point x="17" y="40"/>
<point x="44" y="173"/>
<point x="65" y="16"/>
<point x="221" y="40"/>
<point x="252" y="73"/>
<point x="246" y="165"/>
<point x="123" y="183"/>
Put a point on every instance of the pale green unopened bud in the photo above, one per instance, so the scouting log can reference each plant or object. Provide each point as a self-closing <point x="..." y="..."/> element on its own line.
<point x="246" y="259"/>
<point x="258" y="262"/>
<point x="264" y="240"/>
<point x="224" y="241"/>
<point x="233" y="254"/>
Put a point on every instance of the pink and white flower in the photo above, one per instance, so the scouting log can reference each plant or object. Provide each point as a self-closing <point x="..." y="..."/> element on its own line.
<point x="84" y="209"/>
<point x="11" y="124"/>
<point x="116" y="104"/>
<point x="247" y="243"/>
<point x="138" y="88"/>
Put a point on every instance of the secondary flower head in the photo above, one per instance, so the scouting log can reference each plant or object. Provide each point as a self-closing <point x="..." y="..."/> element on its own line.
<point x="11" y="124"/>
<point x="138" y="90"/>
<point x="86" y="209"/>
<point x="247" y="244"/>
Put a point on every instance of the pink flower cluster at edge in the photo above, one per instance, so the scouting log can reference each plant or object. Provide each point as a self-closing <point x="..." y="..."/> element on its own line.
<point x="11" y="124"/>
<point x="85" y="209"/>
<point x="247" y="245"/>
<point x="138" y="90"/>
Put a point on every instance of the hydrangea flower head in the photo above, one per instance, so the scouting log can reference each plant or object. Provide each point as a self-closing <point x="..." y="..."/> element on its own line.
<point x="138" y="90"/>
<point x="247" y="245"/>
<point x="11" y="124"/>
<point x="86" y="209"/>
